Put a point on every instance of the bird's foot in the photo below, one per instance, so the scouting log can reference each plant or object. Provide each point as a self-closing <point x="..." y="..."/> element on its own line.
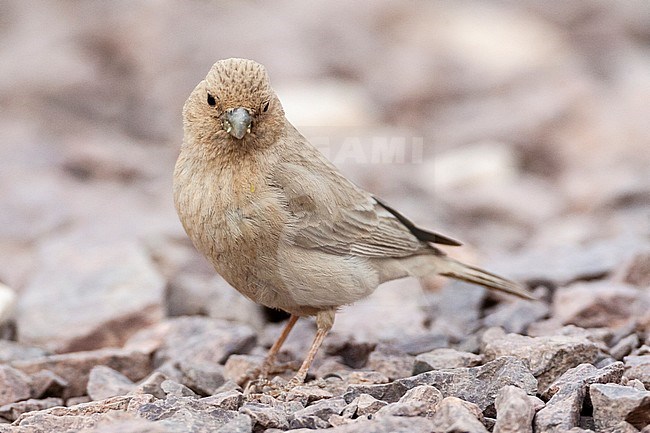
<point x="257" y="386"/>
<point x="276" y="388"/>
<point x="297" y="380"/>
<point x="257" y="380"/>
<point x="262" y="373"/>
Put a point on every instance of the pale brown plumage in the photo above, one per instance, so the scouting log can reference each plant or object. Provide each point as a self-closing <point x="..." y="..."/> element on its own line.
<point x="278" y="221"/>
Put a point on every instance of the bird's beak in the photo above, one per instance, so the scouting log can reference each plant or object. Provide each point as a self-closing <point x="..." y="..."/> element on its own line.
<point x="237" y="122"/>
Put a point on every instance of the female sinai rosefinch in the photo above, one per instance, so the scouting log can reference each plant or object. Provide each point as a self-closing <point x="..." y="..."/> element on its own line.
<point x="279" y="222"/>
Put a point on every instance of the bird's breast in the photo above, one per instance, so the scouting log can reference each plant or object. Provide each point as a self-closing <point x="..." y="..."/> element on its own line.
<point x="242" y="217"/>
<point x="237" y="221"/>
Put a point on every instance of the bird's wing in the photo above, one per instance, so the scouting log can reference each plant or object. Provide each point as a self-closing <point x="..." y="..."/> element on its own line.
<point x="330" y="213"/>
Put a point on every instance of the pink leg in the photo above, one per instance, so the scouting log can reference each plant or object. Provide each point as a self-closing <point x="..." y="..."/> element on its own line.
<point x="273" y="351"/>
<point x="324" y="322"/>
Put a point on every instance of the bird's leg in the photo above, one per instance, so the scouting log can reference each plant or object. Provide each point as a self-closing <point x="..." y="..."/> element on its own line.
<point x="273" y="351"/>
<point x="324" y="322"/>
<point x="257" y="378"/>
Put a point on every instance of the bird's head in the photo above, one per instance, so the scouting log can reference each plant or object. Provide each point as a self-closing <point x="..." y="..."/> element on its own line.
<point x="234" y="106"/>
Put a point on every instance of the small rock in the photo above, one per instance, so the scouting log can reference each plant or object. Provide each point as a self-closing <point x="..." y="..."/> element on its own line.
<point x="456" y="309"/>
<point x="196" y="347"/>
<point x="582" y="375"/>
<point x="387" y="424"/>
<point x="14" y="385"/>
<point x="516" y="316"/>
<point x="623" y="427"/>
<point x="624" y="346"/>
<point x="265" y="416"/>
<point x="562" y="411"/>
<point x="393" y="363"/>
<point x="228" y="385"/>
<point x="135" y="425"/>
<point x="423" y="394"/>
<point x="456" y="415"/>
<point x="104" y="382"/>
<point x="638" y="367"/>
<point x="598" y="336"/>
<point x="439" y="359"/>
<point x="205" y="421"/>
<point x="410" y="409"/>
<point x="637" y="271"/>
<point x="75" y="367"/>
<point x="74" y="418"/>
<point x="352" y="353"/>
<point x="240" y="424"/>
<point x="598" y="304"/>
<point x="343" y="419"/>
<point x="139" y="400"/>
<point x="175" y="389"/>
<point x="366" y="377"/>
<point x="547" y="357"/>
<point x="515" y="411"/>
<point x="316" y="416"/>
<point x="643" y="350"/>
<point x="633" y="383"/>
<point x="14" y="410"/>
<point x="46" y="383"/>
<point x="181" y="412"/>
<point x="331" y="367"/>
<point x="229" y="400"/>
<point x="126" y="294"/>
<point x="470" y="343"/>
<point x="419" y="401"/>
<point x="308" y="394"/>
<point x="367" y="404"/>
<point x="73" y="401"/>
<point x="151" y="385"/>
<point x="477" y="385"/>
<point x="238" y="366"/>
<point x="421" y="342"/>
<point x="615" y="403"/>
<point x="202" y="377"/>
<point x="198" y="338"/>
<point x="171" y="371"/>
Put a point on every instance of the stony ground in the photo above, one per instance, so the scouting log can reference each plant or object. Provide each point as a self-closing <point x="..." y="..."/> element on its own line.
<point x="521" y="129"/>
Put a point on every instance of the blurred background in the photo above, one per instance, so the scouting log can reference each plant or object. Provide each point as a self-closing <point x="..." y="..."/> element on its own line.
<point x="520" y="128"/>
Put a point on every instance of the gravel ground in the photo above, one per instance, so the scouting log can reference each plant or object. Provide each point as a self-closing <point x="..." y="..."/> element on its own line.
<point x="521" y="129"/>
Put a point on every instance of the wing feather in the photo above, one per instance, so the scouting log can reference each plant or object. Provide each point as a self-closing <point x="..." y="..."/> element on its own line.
<point x="330" y="213"/>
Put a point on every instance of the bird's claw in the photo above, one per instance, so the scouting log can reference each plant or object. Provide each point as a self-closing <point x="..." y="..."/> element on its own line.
<point x="257" y="386"/>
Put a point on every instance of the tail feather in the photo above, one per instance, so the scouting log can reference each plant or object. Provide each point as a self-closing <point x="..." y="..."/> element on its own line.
<point x="470" y="274"/>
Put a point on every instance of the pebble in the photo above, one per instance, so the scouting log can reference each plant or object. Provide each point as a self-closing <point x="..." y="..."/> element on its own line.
<point x="515" y="411"/>
<point x="14" y="385"/>
<point x="439" y="359"/>
<point x="614" y="404"/>
<point x="547" y="357"/>
<point x="566" y="395"/>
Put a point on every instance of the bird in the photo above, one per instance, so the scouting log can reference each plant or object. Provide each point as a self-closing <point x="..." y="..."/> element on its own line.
<point x="280" y="223"/>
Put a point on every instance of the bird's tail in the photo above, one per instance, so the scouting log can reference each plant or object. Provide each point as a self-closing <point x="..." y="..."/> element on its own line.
<point x="460" y="271"/>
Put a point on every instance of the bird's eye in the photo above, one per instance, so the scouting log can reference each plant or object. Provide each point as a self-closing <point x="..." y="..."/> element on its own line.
<point x="265" y="106"/>
<point x="211" y="100"/>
